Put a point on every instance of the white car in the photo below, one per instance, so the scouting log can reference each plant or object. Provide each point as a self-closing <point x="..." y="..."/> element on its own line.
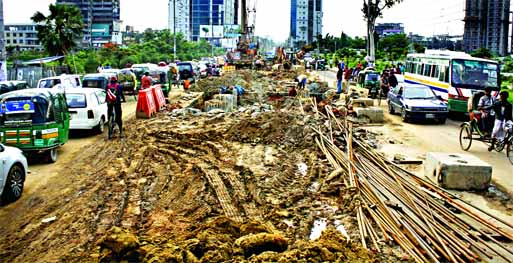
<point x="88" y="109"/>
<point x="61" y="82"/>
<point x="13" y="171"/>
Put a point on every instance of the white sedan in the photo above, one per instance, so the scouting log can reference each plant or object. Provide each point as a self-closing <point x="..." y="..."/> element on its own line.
<point x="13" y="171"/>
<point x="88" y="109"/>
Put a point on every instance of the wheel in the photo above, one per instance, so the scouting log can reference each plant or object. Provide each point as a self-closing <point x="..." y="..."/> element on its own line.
<point x="465" y="137"/>
<point x="101" y="126"/>
<point x="509" y="151"/>
<point x="14" y="184"/>
<point x="499" y="146"/>
<point x="404" y="117"/>
<point x="390" y="108"/>
<point x="51" y="155"/>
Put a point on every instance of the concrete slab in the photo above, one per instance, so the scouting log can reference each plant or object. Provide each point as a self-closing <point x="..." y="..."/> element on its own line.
<point x="363" y="102"/>
<point x="457" y="171"/>
<point x="373" y="114"/>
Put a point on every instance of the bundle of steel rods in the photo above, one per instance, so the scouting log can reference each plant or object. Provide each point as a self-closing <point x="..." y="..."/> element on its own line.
<point x="395" y="205"/>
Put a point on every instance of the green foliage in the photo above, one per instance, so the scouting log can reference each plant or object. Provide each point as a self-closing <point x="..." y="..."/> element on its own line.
<point x="419" y="48"/>
<point x="60" y="30"/>
<point x="394" y="46"/>
<point x="482" y="53"/>
<point x="157" y="47"/>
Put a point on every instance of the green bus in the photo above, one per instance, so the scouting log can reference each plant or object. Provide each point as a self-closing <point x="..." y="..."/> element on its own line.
<point x="455" y="76"/>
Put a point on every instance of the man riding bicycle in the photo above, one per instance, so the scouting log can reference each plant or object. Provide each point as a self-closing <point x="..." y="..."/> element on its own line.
<point x="503" y="116"/>
<point x="114" y="105"/>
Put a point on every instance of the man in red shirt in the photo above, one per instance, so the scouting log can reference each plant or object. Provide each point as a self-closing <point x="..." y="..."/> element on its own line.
<point x="146" y="80"/>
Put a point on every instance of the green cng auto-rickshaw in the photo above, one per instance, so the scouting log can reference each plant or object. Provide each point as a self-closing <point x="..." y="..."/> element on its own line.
<point x="35" y="121"/>
<point x="369" y="79"/>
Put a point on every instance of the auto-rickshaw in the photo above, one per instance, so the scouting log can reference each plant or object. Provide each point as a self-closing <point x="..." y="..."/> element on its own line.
<point x="128" y="80"/>
<point x="35" y="121"/>
<point x="369" y="79"/>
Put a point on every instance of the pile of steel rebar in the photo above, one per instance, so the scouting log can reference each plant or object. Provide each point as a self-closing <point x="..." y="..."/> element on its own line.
<point x="428" y="223"/>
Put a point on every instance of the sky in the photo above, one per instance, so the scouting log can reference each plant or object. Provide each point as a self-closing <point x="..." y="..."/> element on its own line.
<point x="424" y="17"/>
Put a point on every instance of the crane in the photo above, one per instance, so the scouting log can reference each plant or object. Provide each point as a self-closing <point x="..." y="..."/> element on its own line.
<point x="246" y="50"/>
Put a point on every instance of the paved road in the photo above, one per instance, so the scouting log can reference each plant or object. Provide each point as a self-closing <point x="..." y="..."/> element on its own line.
<point x="419" y="138"/>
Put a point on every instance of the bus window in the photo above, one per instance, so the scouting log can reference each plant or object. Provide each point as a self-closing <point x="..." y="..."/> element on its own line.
<point x="441" y="77"/>
<point x="436" y="72"/>
<point x="427" y="69"/>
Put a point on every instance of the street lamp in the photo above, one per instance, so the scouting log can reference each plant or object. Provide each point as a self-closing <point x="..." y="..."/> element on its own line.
<point x="174" y="30"/>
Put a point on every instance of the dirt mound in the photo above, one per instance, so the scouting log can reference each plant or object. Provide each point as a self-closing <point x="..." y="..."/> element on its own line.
<point x="280" y="128"/>
<point x="224" y="240"/>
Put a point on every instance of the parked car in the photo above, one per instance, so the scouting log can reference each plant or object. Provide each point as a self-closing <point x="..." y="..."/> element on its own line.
<point x="8" y="86"/>
<point x="186" y="71"/>
<point x="13" y="171"/>
<point x="97" y="80"/>
<point x="88" y="109"/>
<point x="61" y="82"/>
<point x="35" y="121"/>
<point x="417" y="102"/>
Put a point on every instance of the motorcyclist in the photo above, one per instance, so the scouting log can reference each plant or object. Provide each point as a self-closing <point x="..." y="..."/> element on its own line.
<point x="115" y="105"/>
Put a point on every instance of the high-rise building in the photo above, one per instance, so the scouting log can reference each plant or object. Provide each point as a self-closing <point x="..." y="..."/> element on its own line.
<point x="194" y="18"/>
<point x="179" y="16"/>
<point x="22" y="36"/>
<point x="305" y="21"/>
<point x="487" y="25"/>
<point x="101" y="19"/>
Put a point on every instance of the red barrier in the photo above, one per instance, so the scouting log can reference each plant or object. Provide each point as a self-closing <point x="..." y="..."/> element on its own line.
<point x="158" y="96"/>
<point x="145" y="104"/>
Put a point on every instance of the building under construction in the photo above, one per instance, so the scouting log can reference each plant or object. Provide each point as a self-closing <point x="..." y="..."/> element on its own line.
<point x="487" y="25"/>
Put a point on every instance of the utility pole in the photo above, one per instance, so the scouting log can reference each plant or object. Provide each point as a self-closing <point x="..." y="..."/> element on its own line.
<point x="174" y="30"/>
<point x="3" y="58"/>
<point x="212" y="27"/>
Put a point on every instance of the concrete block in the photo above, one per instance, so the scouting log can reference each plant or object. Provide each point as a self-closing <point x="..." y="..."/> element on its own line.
<point x="374" y="114"/>
<point x="363" y="102"/>
<point x="457" y="171"/>
<point x="298" y="68"/>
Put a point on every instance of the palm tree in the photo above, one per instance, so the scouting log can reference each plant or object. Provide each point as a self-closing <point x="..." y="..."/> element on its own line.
<point x="60" y="31"/>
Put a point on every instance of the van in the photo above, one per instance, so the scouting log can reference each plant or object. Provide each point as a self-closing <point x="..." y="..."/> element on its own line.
<point x="61" y="82"/>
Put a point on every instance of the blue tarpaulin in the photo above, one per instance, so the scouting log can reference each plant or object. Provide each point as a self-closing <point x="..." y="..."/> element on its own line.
<point x="42" y="60"/>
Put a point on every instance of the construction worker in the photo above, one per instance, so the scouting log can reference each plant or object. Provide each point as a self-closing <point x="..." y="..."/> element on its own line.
<point x="146" y="80"/>
<point x="301" y="81"/>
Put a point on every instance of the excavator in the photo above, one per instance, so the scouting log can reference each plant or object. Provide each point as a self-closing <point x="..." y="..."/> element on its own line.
<point x="245" y="53"/>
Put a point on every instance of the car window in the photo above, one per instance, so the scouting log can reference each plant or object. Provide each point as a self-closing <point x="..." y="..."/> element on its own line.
<point x="101" y="97"/>
<point x="94" y="83"/>
<point x="418" y="93"/>
<point x="76" y="100"/>
<point x="49" y="83"/>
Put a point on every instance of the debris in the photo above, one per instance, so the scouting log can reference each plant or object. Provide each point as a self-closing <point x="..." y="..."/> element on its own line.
<point x="49" y="219"/>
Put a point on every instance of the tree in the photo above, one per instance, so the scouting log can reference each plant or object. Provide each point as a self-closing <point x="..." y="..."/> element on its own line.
<point x="395" y="46"/>
<point x="482" y="52"/>
<point x="60" y="30"/>
<point x="372" y="9"/>
<point x="419" y="48"/>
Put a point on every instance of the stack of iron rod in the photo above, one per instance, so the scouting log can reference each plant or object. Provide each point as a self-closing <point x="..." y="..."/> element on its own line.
<point x="395" y="205"/>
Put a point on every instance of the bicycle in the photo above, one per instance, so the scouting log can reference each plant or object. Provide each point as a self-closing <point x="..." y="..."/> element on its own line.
<point x="112" y="121"/>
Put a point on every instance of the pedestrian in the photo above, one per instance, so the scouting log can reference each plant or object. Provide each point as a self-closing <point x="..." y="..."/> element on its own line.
<point x="347" y="76"/>
<point x="114" y="105"/>
<point x="146" y="80"/>
<point x="100" y="68"/>
<point x="340" y="78"/>
<point x="392" y="80"/>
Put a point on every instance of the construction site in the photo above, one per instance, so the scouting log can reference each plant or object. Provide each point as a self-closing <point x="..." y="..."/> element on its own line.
<point x="259" y="177"/>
